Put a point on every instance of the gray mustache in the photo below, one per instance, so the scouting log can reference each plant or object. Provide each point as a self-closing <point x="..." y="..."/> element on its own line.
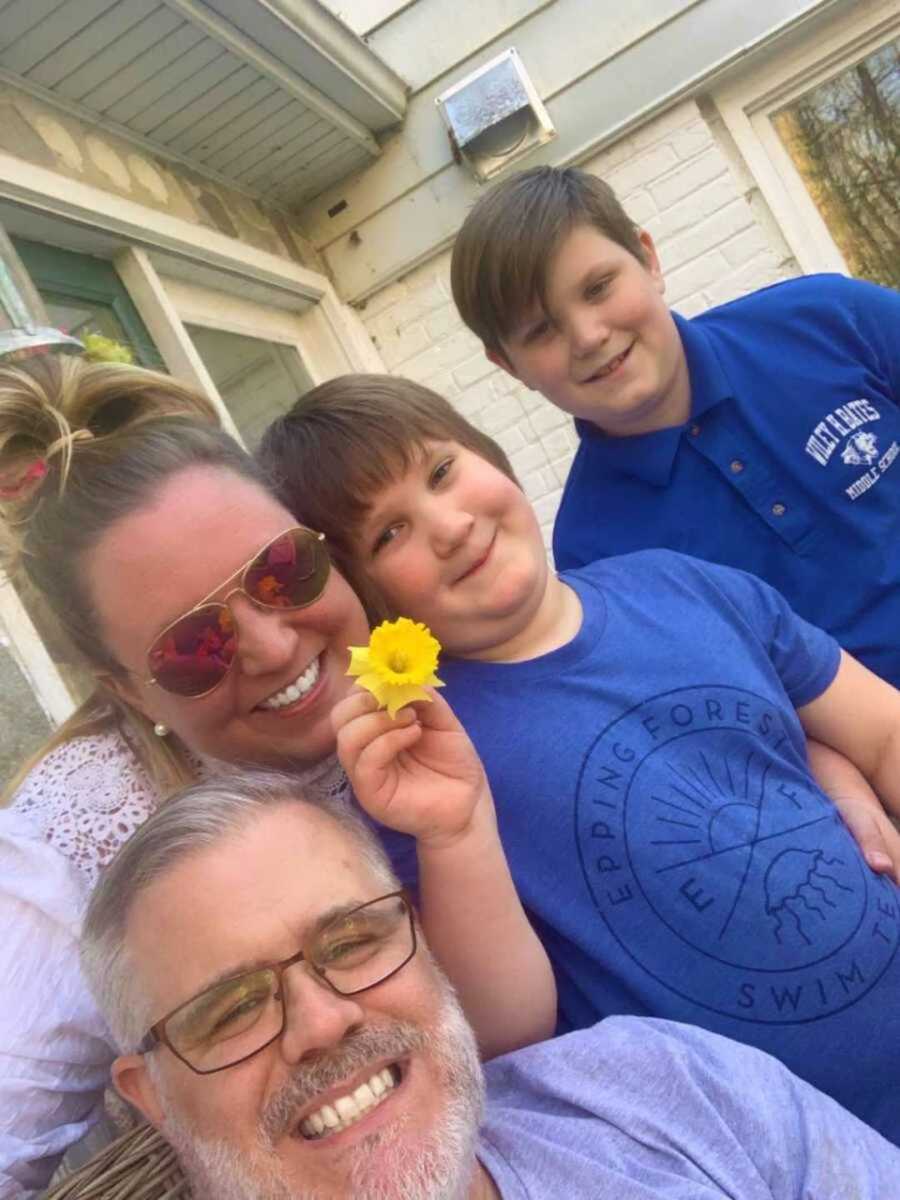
<point x="329" y="1068"/>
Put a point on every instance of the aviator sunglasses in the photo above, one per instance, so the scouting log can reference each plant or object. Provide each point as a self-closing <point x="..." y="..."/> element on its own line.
<point x="194" y="653"/>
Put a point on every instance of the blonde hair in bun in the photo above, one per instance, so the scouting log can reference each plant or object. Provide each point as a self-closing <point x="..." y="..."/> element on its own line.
<point x="83" y="444"/>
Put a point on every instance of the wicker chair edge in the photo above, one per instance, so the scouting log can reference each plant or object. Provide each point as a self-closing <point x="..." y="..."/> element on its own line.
<point x="140" y="1165"/>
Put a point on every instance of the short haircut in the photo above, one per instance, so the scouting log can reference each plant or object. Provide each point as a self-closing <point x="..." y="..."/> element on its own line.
<point x="344" y="441"/>
<point x="192" y="821"/>
<point x="506" y="243"/>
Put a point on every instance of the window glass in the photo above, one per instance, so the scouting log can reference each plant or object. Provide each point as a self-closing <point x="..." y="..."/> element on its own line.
<point x="258" y="380"/>
<point x="844" y="139"/>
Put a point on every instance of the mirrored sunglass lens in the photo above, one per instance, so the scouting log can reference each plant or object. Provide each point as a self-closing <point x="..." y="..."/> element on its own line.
<point x="289" y="573"/>
<point x="227" y="1022"/>
<point x="194" y="654"/>
<point x="359" y="949"/>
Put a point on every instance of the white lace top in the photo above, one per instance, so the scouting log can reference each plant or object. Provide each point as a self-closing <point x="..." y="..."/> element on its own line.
<point x="67" y="820"/>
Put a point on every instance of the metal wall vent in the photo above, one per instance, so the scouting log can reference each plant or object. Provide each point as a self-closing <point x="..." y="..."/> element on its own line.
<point x="494" y="116"/>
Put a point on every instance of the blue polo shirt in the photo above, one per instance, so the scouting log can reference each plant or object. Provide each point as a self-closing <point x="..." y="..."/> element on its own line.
<point x="789" y="466"/>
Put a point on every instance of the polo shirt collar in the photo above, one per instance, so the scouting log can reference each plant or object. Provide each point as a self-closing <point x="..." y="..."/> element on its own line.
<point x="651" y="456"/>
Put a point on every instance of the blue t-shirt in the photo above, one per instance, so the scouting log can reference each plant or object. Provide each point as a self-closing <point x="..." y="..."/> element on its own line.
<point x="635" y="1109"/>
<point x="787" y="468"/>
<point x="666" y="836"/>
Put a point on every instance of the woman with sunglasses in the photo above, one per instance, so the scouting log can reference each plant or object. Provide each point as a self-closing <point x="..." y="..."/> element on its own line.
<point x="214" y="629"/>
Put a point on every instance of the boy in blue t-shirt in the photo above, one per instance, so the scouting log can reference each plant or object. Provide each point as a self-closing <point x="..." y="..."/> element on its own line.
<point x="763" y="434"/>
<point x="642" y="725"/>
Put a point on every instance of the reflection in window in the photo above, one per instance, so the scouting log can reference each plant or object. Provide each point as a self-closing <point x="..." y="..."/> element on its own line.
<point x="258" y="380"/>
<point x="844" y="139"/>
<point x="81" y="317"/>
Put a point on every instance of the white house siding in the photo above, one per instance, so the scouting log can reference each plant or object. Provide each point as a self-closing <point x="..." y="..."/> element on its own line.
<point x="676" y="179"/>
<point x="602" y="71"/>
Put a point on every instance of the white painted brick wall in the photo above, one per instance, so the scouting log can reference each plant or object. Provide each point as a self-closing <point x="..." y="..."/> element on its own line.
<point x="675" y="180"/>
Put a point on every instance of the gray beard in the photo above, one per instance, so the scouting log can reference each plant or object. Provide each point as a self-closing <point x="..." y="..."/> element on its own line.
<point x="438" y="1167"/>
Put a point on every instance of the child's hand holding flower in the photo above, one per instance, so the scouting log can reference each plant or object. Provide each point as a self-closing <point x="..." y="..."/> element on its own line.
<point x="416" y="772"/>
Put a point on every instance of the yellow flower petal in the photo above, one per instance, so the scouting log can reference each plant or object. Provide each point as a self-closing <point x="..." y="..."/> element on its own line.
<point x="399" y="697"/>
<point x="399" y="662"/>
<point x="359" y="660"/>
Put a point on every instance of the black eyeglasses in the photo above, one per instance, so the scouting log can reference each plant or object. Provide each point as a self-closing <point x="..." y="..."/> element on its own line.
<point x="235" y="1019"/>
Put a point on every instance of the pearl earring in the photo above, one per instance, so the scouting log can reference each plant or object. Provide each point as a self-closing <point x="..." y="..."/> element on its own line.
<point x="161" y="730"/>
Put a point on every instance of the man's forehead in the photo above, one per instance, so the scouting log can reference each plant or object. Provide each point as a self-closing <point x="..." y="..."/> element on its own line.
<point x="251" y="897"/>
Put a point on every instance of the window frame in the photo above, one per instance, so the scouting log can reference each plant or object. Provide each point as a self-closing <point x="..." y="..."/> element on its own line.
<point x="746" y="105"/>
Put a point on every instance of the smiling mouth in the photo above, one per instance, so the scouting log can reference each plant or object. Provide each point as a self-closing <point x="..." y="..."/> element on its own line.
<point x="477" y="565"/>
<point x="346" y="1110"/>
<point x="302" y="686"/>
<point x="612" y="365"/>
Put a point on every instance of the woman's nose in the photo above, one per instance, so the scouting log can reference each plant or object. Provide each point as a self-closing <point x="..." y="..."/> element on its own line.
<point x="267" y="638"/>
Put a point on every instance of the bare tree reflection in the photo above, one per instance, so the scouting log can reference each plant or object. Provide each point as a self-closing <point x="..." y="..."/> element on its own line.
<point x="844" y="138"/>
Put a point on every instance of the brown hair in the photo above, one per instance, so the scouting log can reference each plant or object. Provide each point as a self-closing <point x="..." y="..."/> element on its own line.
<point x="344" y="441"/>
<point x="506" y="243"/>
<point x="104" y="437"/>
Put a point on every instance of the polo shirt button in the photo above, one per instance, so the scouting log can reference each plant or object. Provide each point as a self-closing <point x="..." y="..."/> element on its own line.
<point x="778" y="510"/>
<point x="736" y="466"/>
<point x="695" y="429"/>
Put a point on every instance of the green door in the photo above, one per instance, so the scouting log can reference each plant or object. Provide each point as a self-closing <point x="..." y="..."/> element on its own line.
<point x="84" y="294"/>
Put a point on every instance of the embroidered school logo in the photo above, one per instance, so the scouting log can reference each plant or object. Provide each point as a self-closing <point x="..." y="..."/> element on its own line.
<point x="720" y="870"/>
<point x="860" y="450"/>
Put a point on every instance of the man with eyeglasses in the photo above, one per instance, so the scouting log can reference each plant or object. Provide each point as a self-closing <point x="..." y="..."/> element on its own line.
<point x="283" y="1024"/>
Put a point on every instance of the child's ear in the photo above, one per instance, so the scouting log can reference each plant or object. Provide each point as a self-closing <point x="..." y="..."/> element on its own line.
<point x="134" y="1083"/>
<point x="651" y="260"/>
<point x="499" y="359"/>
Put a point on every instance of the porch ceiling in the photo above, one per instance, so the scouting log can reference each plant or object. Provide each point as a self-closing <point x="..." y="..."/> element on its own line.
<point x="274" y="97"/>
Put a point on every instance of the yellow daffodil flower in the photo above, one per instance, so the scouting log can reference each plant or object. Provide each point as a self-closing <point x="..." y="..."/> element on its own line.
<point x="398" y="664"/>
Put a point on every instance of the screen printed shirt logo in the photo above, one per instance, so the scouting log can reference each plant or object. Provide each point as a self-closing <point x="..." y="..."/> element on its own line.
<point x="842" y="431"/>
<point x="861" y="449"/>
<point x="720" y="870"/>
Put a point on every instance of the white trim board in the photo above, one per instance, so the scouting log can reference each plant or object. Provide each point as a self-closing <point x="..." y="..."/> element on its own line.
<point x="171" y="240"/>
<point x="32" y="658"/>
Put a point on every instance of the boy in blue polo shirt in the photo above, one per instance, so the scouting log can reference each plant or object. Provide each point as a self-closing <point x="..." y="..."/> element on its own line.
<point x="763" y="434"/>
<point x="642" y="723"/>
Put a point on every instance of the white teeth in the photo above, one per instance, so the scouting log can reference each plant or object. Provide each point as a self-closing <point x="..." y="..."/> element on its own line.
<point x="345" y="1110"/>
<point x="292" y="693"/>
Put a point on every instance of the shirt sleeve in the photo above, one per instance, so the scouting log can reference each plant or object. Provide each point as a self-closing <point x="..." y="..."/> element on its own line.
<point x="800" y="1142"/>
<point x="655" y="1108"/>
<point x="877" y="314"/>
<point x="55" y="1051"/>
<point x="805" y="657"/>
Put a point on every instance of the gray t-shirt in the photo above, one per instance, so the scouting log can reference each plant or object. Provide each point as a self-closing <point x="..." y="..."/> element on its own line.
<point x="635" y="1108"/>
